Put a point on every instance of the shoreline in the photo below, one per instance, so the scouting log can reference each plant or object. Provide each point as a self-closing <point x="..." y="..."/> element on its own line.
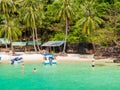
<point x="107" y="60"/>
<point x="39" y="58"/>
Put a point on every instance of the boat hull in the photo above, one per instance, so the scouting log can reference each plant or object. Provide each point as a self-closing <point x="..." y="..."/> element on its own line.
<point x="46" y="62"/>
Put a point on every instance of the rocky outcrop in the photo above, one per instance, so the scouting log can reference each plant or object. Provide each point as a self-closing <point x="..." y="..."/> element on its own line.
<point x="117" y="60"/>
<point x="107" y="52"/>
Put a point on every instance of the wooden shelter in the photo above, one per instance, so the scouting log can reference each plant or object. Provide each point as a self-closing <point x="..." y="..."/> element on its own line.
<point x="19" y="46"/>
<point x="56" y="46"/>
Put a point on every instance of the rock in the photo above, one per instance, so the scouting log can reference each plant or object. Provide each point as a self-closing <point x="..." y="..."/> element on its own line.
<point x="116" y="60"/>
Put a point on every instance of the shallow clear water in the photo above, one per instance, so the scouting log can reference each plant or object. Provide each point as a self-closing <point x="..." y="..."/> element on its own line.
<point x="63" y="76"/>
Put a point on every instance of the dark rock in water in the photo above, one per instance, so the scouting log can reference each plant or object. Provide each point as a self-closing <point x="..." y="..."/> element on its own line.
<point x="116" y="61"/>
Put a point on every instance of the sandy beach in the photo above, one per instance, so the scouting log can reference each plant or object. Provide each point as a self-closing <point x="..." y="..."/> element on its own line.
<point x="32" y="57"/>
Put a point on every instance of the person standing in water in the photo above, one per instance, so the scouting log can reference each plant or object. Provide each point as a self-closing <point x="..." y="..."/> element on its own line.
<point x="22" y="68"/>
<point x="93" y="63"/>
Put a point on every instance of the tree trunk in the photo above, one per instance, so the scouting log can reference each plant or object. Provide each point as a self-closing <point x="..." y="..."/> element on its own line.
<point x="5" y="32"/>
<point x="93" y="44"/>
<point x="66" y="34"/>
<point x="12" y="49"/>
<point x="34" y="40"/>
<point x="37" y="39"/>
<point x="6" y="43"/>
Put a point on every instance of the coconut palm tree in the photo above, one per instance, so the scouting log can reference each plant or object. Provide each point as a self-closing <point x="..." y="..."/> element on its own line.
<point x="7" y="7"/>
<point x="65" y="12"/>
<point x="90" y="21"/>
<point x="10" y="31"/>
<point x="32" y="14"/>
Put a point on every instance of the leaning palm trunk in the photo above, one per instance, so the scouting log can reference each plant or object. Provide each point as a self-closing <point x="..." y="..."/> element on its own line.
<point x="93" y="44"/>
<point x="94" y="49"/>
<point x="37" y="39"/>
<point x="34" y="40"/>
<point x="66" y="34"/>
<point x="6" y="43"/>
<point x="12" y="49"/>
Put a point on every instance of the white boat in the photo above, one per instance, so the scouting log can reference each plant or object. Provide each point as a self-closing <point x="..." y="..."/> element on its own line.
<point x="49" y="59"/>
<point x="50" y="62"/>
<point x="0" y="59"/>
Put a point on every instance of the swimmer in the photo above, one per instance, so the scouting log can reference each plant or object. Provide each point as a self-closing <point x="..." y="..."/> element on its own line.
<point x="34" y="70"/>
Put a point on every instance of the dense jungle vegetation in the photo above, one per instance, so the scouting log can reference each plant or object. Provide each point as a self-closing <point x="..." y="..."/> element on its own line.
<point x="95" y="21"/>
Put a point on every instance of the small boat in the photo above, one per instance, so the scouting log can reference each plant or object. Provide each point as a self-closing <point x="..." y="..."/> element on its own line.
<point x="0" y="59"/>
<point x="49" y="62"/>
<point x="16" y="60"/>
<point x="49" y="59"/>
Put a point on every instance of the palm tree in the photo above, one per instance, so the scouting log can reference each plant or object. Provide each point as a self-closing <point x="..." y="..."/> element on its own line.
<point x="65" y="13"/>
<point x="32" y="13"/>
<point x="90" y="21"/>
<point x="7" y="7"/>
<point x="10" y="31"/>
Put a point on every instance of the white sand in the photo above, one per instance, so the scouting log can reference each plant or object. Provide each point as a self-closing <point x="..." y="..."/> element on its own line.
<point x="26" y="57"/>
<point x="75" y="57"/>
<point x="39" y="57"/>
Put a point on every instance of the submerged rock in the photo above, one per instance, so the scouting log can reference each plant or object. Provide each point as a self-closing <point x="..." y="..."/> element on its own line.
<point x="116" y="60"/>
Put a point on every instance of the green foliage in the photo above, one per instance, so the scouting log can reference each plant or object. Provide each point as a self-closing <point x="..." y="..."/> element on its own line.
<point x="90" y="21"/>
<point x="50" y="19"/>
<point x="1" y="18"/>
<point x="31" y="11"/>
<point x="58" y="36"/>
<point x="10" y="31"/>
<point x="105" y="43"/>
<point x="76" y="35"/>
<point x="73" y="20"/>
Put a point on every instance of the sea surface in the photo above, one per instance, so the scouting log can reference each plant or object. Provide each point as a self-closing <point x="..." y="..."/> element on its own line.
<point x="62" y="76"/>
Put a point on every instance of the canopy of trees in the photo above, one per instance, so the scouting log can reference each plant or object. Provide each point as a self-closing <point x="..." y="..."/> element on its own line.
<point x="95" y="21"/>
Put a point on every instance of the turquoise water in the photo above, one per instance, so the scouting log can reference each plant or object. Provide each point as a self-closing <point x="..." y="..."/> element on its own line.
<point x="63" y="76"/>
